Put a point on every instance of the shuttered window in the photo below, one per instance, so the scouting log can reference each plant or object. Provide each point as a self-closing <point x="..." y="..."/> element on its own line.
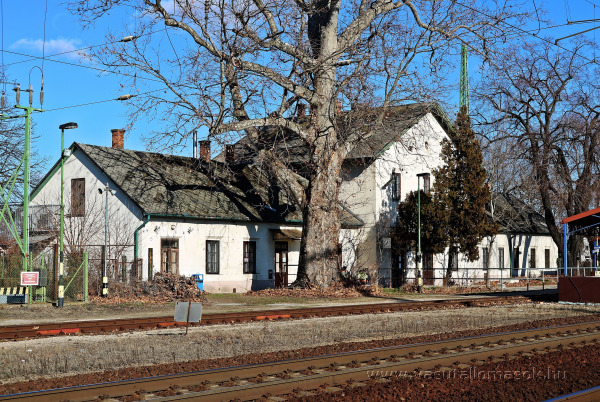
<point x="77" y="197"/>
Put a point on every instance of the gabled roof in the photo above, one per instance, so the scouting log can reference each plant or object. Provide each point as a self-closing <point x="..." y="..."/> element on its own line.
<point x="175" y="185"/>
<point x="179" y="186"/>
<point x="396" y="121"/>
<point x="516" y="217"/>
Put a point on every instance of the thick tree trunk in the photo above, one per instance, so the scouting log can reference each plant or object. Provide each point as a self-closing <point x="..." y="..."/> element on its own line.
<point x="318" y="263"/>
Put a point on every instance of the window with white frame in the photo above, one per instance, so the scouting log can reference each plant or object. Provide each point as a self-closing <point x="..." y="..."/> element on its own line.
<point x="249" y="257"/>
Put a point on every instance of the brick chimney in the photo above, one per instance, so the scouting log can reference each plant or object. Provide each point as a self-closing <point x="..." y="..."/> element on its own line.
<point x="118" y="138"/>
<point x="230" y="153"/>
<point x="204" y="150"/>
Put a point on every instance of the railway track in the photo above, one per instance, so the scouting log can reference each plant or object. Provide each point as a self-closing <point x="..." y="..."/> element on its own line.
<point x="105" y="326"/>
<point x="300" y="376"/>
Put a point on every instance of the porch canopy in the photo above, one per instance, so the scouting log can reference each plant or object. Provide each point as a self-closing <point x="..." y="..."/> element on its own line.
<point x="583" y="222"/>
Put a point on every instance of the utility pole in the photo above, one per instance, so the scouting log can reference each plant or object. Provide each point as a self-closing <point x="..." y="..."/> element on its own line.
<point x="106" y="190"/>
<point x="26" y="163"/>
<point x="464" y="78"/>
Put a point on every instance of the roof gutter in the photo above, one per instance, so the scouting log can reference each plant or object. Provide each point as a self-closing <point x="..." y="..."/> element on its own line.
<point x="136" y="237"/>
<point x="220" y="218"/>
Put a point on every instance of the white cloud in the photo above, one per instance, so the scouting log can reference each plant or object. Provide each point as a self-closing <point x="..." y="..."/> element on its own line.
<point x="53" y="46"/>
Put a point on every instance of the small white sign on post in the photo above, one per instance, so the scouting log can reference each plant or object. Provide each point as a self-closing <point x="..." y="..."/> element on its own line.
<point x="30" y="278"/>
<point x="188" y="312"/>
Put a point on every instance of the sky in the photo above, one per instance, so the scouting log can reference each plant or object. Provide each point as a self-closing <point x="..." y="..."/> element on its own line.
<point x="26" y="23"/>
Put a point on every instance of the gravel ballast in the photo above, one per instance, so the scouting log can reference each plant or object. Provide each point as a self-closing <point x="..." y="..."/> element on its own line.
<point x="70" y="355"/>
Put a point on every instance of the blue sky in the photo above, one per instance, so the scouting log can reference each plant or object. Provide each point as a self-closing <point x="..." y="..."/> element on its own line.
<point x="66" y="85"/>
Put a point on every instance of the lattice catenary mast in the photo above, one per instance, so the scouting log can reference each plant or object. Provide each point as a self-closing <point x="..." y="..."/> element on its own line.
<point x="464" y="78"/>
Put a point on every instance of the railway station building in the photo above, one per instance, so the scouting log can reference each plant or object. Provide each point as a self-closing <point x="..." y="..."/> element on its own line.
<point x="226" y="219"/>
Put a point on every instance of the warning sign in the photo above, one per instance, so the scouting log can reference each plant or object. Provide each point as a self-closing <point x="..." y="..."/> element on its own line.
<point x="30" y="278"/>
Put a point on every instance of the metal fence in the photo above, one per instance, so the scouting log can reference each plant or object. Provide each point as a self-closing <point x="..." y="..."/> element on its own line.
<point x="501" y="278"/>
<point x="75" y="277"/>
<point x="120" y="268"/>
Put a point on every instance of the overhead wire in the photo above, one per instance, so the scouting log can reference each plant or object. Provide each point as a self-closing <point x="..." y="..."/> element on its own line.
<point x="44" y="41"/>
<point x="96" y="69"/>
<point x="528" y="33"/>
<point x="77" y="50"/>
<point x="100" y="101"/>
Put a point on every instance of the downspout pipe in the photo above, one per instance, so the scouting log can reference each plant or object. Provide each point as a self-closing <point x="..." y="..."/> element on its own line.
<point x="565" y="238"/>
<point x="136" y="237"/>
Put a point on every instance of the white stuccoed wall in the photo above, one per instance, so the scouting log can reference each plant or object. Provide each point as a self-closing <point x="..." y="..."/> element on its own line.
<point x="367" y="190"/>
<point x="125" y="216"/>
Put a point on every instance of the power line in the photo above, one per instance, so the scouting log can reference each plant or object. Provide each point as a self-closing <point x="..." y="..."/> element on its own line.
<point x="98" y="69"/>
<point x="528" y="33"/>
<point x="44" y="42"/>
<point x="83" y="48"/>
<point x="121" y="98"/>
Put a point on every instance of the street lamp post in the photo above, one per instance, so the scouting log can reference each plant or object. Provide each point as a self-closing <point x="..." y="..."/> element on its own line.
<point x="61" y="288"/>
<point x="419" y="255"/>
<point x="106" y="190"/>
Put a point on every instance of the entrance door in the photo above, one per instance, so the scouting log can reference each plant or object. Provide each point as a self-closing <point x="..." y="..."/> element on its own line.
<point x="281" y="264"/>
<point x="428" y="272"/>
<point x="169" y="251"/>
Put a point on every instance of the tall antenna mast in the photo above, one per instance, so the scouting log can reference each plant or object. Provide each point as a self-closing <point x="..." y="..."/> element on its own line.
<point x="464" y="78"/>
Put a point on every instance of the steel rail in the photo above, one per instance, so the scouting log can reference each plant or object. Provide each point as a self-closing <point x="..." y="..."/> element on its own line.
<point x="586" y="395"/>
<point x="423" y="355"/>
<point x="103" y="326"/>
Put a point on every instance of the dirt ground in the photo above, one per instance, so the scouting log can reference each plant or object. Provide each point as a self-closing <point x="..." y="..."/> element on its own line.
<point x="70" y="355"/>
<point x="216" y="303"/>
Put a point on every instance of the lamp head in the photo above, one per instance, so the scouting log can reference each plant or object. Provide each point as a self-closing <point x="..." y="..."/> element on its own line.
<point x="67" y="126"/>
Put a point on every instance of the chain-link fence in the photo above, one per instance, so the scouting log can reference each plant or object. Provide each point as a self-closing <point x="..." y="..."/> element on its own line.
<point x="75" y="277"/>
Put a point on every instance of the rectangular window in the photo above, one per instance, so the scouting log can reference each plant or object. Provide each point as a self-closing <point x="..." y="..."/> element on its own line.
<point x="500" y="257"/>
<point x="516" y="258"/>
<point x="77" y="197"/>
<point x="249" y="257"/>
<point x="169" y="251"/>
<point x="453" y="261"/>
<point x="532" y="262"/>
<point x="426" y="184"/>
<point x="547" y="258"/>
<point x="486" y="257"/>
<point x="396" y="186"/>
<point x="212" y="256"/>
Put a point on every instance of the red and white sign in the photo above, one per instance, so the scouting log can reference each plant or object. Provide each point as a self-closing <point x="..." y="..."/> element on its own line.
<point x="30" y="278"/>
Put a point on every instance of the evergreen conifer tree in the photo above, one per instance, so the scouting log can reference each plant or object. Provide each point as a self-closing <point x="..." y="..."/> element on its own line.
<point x="461" y="191"/>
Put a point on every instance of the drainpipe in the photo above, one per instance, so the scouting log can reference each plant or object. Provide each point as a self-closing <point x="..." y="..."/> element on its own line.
<point x="136" y="238"/>
<point x="565" y="238"/>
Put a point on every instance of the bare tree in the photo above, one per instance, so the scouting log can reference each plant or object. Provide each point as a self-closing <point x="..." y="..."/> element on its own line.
<point x="242" y="66"/>
<point x="542" y="103"/>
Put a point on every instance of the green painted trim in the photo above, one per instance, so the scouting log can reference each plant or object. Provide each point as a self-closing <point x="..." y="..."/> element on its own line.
<point x="220" y="218"/>
<point x="136" y="236"/>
